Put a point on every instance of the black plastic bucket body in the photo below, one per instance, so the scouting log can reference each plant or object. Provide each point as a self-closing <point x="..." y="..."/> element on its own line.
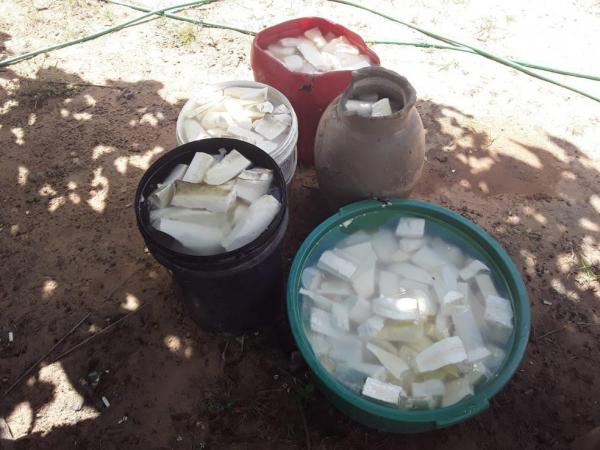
<point x="233" y="292"/>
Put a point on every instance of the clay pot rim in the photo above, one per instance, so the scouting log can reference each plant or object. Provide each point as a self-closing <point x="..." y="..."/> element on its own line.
<point x="409" y="94"/>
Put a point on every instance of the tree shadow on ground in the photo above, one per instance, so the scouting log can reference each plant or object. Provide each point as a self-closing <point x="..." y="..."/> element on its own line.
<point x="72" y="156"/>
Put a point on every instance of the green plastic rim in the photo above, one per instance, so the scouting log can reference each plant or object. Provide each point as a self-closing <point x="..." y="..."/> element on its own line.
<point x="387" y="417"/>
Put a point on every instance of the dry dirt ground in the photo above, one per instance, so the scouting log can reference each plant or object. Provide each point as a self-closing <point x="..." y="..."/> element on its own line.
<point x="79" y="127"/>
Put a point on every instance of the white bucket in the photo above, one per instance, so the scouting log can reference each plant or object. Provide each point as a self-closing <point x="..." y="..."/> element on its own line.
<point x="285" y="154"/>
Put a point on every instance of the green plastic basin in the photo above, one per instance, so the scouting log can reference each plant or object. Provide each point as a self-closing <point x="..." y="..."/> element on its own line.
<point x="369" y="215"/>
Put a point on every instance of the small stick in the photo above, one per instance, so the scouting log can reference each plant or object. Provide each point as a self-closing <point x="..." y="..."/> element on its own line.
<point x="549" y="333"/>
<point x="94" y="336"/>
<point x="34" y="365"/>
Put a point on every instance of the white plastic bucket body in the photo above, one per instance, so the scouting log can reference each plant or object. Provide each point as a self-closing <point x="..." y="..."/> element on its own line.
<point x="286" y="153"/>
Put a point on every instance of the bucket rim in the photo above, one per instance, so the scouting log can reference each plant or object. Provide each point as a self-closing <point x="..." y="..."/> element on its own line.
<point x="286" y="144"/>
<point x="443" y="416"/>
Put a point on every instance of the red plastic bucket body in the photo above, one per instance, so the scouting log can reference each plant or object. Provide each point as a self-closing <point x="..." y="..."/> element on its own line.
<point x="309" y="94"/>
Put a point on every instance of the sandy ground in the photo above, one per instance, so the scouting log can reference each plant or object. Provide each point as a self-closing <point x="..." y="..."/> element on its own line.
<point x="79" y="127"/>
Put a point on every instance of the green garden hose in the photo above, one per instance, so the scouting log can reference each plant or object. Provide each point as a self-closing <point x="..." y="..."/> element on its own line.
<point x="89" y="37"/>
<point x="467" y="50"/>
<point x="185" y="19"/>
<point x="452" y="44"/>
<point x="484" y="53"/>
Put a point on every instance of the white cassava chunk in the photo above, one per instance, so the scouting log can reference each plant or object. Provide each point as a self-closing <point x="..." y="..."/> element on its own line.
<point x="200" y="239"/>
<point x="260" y="214"/>
<point x="382" y="108"/>
<point x="410" y="227"/>
<point x="456" y="390"/>
<point x="199" y="216"/>
<point x="354" y="62"/>
<point x="337" y="265"/>
<point x="401" y="332"/>
<point x="214" y="198"/>
<point x="335" y="287"/>
<point x="388" y="284"/>
<point x="253" y="183"/>
<point x="361" y="253"/>
<point x="264" y="107"/>
<point x="198" y="167"/>
<point x="361" y="108"/>
<point x="496" y="358"/>
<point x="412" y="272"/>
<point x="442" y="325"/>
<point x="176" y="174"/>
<point x="382" y="391"/>
<point x="472" y="269"/>
<point x="256" y="94"/>
<point x="281" y="109"/>
<point x="193" y="131"/>
<point x="340" y="316"/>
<point x="290" y="42"/>
<point x="370" y="370"/>
<point x="314" y="34"/>
<point x="319" y="343"/>
<point x="319" y="300"/>
<point x="498" y="315"/>
<point x="427" y="305"/>
<point x="312" y="54"/>
<point x="162" y="196"/>
<point x="384" y="244"/>
<point x="311" y="278"/>
<point x="409" y="245"/>
<point x="280" y="50"/>
<point x="320" y="322"/>
<point x="360" y="311"/>
<point x="476" y="372"/>
<point x="400" y="255"/>
<point x="341" y="45"/>
<point x="270" y="127"/>
<point x="216" y="119"/>
<point x="465" y="327"/>
<point x="239" y="212"/>
<point x="363" y="282"/>
<point x="407" y="285"/>
<point x="347" y="349"/>
<point x="391" y="362"/>
<point x="449" y="275"/>
<point x="308" y="68"/>
<point x="453" y="301"/>
<point x="226" y="169"/>
<point x="448" y="252"/>
<point x="371" y="326"/>
<point x="485" y="284"/>
<point x="426" y="258"/>
<point x="404" y="307"/>
<point x="428" y="388"/>
<point x="447" y="351"/>
<point x="360" y="237"/>
<point x="294" y="63"/>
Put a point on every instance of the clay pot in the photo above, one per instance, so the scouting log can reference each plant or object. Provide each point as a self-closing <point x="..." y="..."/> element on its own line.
<point x="370" y="157"/>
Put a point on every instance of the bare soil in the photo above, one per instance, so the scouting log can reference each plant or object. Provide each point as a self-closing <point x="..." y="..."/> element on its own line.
<point x="79" y="127"/>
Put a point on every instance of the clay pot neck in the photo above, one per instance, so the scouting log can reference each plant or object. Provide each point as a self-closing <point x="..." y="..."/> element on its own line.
<point x="385" y="83"/>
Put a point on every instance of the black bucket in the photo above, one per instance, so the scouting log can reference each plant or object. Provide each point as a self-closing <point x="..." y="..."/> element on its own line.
<point x="233" y="292"/>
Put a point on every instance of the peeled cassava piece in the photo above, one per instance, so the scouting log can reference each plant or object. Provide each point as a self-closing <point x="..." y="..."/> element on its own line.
<point x="313" y="53"/>
<point x="403" y="317"/>
<point x="217" y="204"/>
<point x="244" y="113"/>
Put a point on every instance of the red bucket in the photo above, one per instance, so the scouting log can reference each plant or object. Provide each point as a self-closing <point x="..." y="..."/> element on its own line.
<point x="309" y="94"/>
